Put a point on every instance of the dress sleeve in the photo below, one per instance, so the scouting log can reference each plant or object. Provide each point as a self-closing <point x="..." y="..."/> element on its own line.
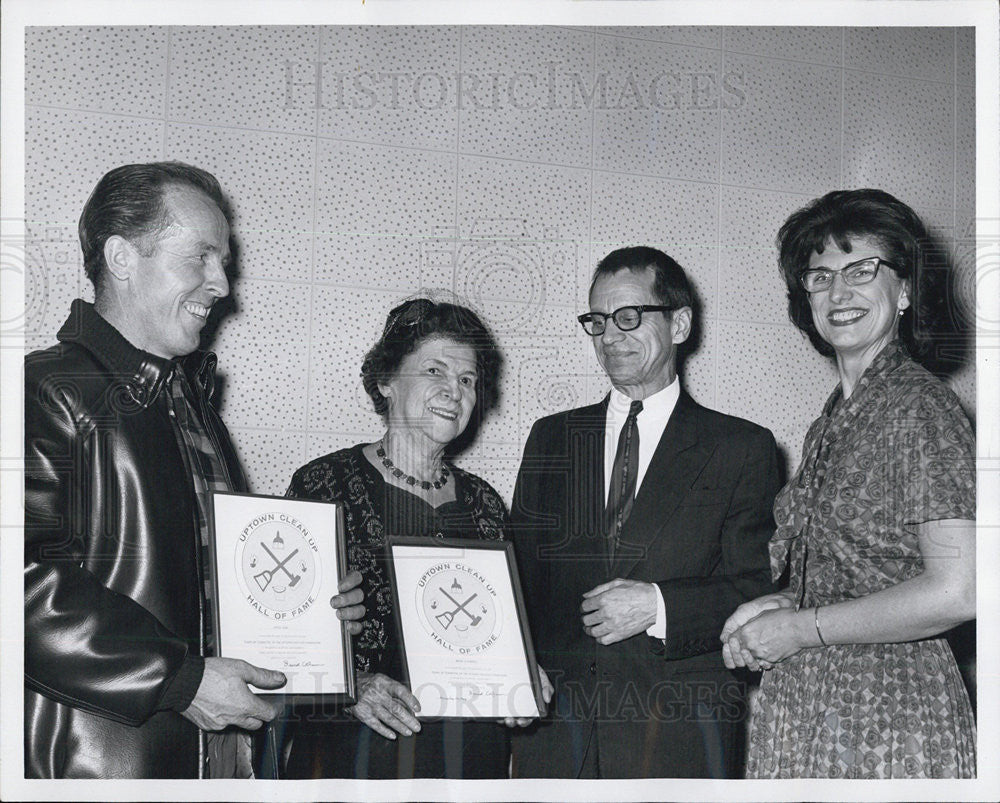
<point x="936" y="453"/>
<point x="334" y="478"/>
<point x="489" y="510"/>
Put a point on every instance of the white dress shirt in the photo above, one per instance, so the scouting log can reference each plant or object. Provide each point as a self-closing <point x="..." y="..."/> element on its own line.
<point x="656" y="410"/>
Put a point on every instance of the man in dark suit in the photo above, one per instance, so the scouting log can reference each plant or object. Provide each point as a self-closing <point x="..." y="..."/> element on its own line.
<point x="639" y="528"/>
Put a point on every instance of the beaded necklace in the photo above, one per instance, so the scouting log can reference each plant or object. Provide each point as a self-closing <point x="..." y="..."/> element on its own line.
<point x="398" y="473"/>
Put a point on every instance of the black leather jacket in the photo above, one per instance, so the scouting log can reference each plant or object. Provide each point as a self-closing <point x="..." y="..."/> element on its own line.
<point x="112" y="568"/>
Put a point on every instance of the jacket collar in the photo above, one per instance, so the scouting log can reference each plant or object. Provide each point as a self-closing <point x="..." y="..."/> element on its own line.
<point x="144" y="374"/>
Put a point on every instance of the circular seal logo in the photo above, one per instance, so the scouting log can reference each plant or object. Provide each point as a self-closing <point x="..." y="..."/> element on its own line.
<point x="458" y="607"/>
<point x="278" y="566"/>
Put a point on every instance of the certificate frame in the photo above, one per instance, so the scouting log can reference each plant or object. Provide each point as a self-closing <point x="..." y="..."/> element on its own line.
<point x="285" y="627"/>
<point x="487" y="672"/>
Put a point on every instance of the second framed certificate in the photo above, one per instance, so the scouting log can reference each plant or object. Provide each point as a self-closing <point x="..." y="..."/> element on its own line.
<point x="467" y="652"/>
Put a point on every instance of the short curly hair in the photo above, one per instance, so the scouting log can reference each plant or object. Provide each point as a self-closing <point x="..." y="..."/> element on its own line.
<point x="843" y="215"/>
<point x="420" y="319"/>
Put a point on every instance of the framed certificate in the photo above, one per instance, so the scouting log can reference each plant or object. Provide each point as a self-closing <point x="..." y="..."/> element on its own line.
<point x="276" y="564"/>
<point x="467" y="651"/>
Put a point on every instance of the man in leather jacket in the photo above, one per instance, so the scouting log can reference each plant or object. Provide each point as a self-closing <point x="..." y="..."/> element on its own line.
<point x="122" y="444"/>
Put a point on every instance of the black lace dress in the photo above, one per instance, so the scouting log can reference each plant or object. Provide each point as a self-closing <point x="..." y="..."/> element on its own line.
<point x="331" y="743"/>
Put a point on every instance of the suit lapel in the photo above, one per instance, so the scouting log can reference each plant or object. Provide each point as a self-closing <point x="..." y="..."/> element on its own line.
<point x="676" y="463"/>
<point x="586" y="432"/>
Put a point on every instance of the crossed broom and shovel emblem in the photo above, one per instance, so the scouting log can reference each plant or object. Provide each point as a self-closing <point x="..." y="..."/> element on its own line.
<point x="447" y="617"/>
<point x="265" y="577"/>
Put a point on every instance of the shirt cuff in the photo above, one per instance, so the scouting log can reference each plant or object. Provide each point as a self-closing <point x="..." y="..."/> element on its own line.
<point x="659" y="628"/>
<point x="182" y="689"/>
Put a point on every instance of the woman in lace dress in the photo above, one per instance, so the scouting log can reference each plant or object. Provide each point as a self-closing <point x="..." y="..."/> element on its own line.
<point x="434" y="369"/>
<point x="876" y="528"/>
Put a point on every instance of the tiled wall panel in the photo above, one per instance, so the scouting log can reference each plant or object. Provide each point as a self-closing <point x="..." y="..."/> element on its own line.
<point x="346" y="322"/>
<point x="785" y="135"/>
<point x="750" y="283"/>
<point x="521" y="227"/>
<point x="264" y="348"/>
<point x="114" y="69"/>
<point x="377" y="212"/>
<point x="927" y="53"/>
<point x="269" y="178"/>
<point x="527" y="90"/>
<point x="899" y="135"/>
<point x="67" y="152"/>
<point x="541" y="369"/>
<point x="653" y="90"/>
<point x="965" y="148"/>
<point x="498" y="163"/>
<point x="394" y="85"/>
<point x="965" y="56"/>
<point x="771" y="374"/>
<point x="53" y="278"/>
<point x="679" y="217"/>
<point x="694" y="35"/>
<point x="270" y="456"/>
<point x="244" y="77"/>
<point x="813" y="45"/>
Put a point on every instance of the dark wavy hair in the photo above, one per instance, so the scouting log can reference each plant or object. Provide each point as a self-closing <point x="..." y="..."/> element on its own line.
<point x="842" y="215"/>
<point x="420" y="319"/>
<point x="670" y="284"/>
<point x="129" y="202"/>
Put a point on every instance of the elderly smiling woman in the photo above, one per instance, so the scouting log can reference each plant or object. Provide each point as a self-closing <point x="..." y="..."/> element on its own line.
<point x="876" y="527"/>
<point x="435" y="369"/>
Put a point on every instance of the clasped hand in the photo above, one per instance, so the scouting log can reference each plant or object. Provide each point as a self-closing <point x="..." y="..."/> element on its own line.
<point x="386" y="705"/>
<point x="618" y="610"/>
<point x="224" y="697"/>
<point x="347" y="603"/>
<point x="762" y="632"/>
<point x="547" y="690"/>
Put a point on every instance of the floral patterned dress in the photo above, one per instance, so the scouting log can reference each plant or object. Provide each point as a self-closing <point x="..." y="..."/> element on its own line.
<point x="332" y="743"/>
<point x="899" y="452"/>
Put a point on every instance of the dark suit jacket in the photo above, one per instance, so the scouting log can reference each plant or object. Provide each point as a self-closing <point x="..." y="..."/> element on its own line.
<point x="699" y="530"/>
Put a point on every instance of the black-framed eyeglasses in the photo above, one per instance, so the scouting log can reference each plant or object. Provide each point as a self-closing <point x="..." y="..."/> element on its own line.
<point x="625" y="318"/>
<point x="816" y="280"/>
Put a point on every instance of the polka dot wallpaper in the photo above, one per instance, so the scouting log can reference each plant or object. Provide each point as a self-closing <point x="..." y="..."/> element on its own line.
<point x="377" y="210"/>
<point x="121" y="70"/>
<point x="499" y="164"/>
<point x="244" y="77"/>
<point x="899" y="135"/>
<point x="527" y="94"/>
<point x="270" y="179"/>
<point x="394" y="85"/>
<point x="813" y="45"/>
<point x="893" y="51"/>
<point x="651" y="92"/>
<point x="696" y="35"/>
<point x="786" y="134"/>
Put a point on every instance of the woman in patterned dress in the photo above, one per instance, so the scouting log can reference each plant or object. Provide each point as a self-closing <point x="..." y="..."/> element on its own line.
<point x="876" y="528"/>
<point x="434" y="369"/>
